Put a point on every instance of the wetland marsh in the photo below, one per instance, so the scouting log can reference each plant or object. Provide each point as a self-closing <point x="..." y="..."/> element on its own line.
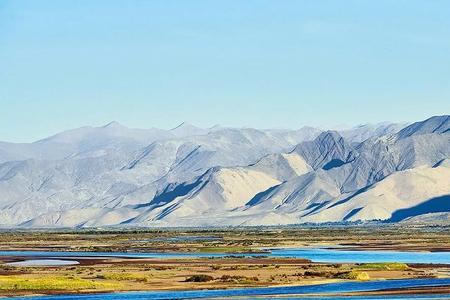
<point x="250" y="259"/>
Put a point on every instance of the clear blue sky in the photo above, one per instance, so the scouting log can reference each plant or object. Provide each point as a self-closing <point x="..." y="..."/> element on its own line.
<point x="65" y="64"/>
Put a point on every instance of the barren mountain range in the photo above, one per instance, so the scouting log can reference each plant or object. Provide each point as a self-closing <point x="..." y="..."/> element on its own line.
<point x="189" y="176"/>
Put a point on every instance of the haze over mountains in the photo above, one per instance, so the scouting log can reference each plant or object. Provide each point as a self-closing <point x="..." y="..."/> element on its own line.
<point x="189" y="176"/>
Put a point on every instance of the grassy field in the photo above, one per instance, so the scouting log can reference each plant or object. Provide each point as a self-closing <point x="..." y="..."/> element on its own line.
<point x="391" y="237"/>
<point x="48" y="283"/>
<point x="384" y="267"/>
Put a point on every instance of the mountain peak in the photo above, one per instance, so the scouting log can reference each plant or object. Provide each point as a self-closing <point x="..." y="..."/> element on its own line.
<point x="215" y="127"/>
<point x="113" y="124"/>
<point x="329" y="135"/>
<point x="436" y="124"/>
<point x="183" y="125"/>
<point x="186" y="129"/>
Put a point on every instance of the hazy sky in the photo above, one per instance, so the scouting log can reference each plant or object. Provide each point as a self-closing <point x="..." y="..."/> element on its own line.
<point x="66" y="64"/>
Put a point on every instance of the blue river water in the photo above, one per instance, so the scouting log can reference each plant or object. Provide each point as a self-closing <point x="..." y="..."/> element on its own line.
<point x="363" y="256"/>
<point x="269" y="292"/>
<point x="314" y="254"/>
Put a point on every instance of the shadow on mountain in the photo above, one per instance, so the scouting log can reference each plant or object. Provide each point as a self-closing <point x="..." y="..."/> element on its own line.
<point x="179" y="190"/>
<point x="439" y="163"/>
<point x="360" y="191"/>
<point x="352" y="213"/>
<point x="167" y="196"/>
<point x="334" y="163"/>
<point x="256" y="199"/>
<point x="434" y="205"/>
<point x="316" y="207"/>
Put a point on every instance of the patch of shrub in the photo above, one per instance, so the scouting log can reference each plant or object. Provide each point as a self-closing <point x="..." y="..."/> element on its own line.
<point x="124" y="277"/>
<point x="199" y="278"/>
<point x="353" y="275"/>
<point x="384" y="266"/>
<point x="238" y="279"/>
<point x="323" y="274"/>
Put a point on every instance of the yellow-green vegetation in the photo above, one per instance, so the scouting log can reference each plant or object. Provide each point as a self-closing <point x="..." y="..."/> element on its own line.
<point x="124" y="277"/>
<point x="384" y="266"/>
<point x="355" y="275"/>
<point x="17" y="283"/>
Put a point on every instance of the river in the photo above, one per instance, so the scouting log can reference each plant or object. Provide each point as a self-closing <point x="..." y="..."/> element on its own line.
<point x="268" y="292"/>
<point x="314" y="254"/>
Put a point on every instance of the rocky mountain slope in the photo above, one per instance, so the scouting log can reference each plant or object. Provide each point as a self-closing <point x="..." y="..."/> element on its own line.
<point x="189" y="176"/>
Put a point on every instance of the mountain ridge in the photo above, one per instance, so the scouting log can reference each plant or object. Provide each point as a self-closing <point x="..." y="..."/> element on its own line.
<point x="189" y="176"/>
